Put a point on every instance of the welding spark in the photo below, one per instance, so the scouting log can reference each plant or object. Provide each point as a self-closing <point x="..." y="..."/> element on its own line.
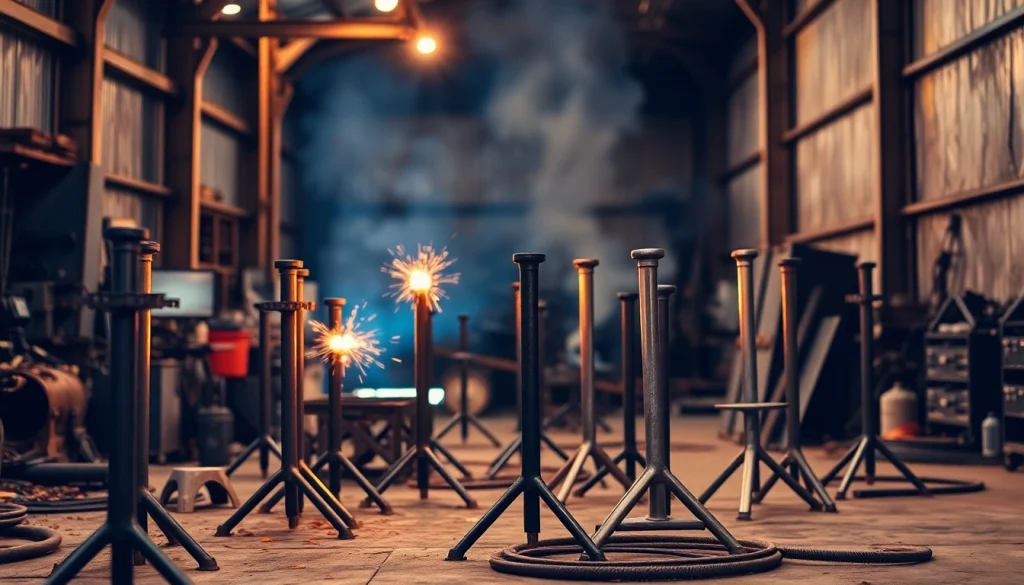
<point x="355" y="347"/>
<point x="420" y="274"/>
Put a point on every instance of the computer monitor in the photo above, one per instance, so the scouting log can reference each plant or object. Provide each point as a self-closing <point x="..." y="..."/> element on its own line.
<point x="194" y="289"/>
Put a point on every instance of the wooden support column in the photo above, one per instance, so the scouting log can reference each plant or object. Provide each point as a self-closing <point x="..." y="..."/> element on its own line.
<point x="769" y="20"/>
<point x="894" y="247"/>
<point x="81" y="104"/>
<point x="187" y="61"/>
<point x="264" y="239"/>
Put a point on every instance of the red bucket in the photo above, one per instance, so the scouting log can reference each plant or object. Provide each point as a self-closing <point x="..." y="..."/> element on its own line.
<point x="233" y="361"/>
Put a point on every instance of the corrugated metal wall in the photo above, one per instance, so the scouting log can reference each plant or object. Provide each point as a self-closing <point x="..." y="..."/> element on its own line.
<point x="969" y="135"/>
<point x="220" y="167"/>
<point x="743" y="190"/>
<point x="26" y="75"/>
<point x="133" y="118"/>
<point x="227" y="84"/>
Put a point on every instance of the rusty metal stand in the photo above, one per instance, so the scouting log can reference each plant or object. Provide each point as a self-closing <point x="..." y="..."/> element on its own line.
<point x="295" y="476"/>
<point x="567" y="475"/>
<point x="869" y="443"/>
<point x="265" y="443"/>
<point x="529" y="484"/>
<point x="149" y="506"/>
<point x="422" y="453"/>
<point x="753" y="453"/>
<point x="516" y="445"/>
<point x="463" y="419"/>
<point x="657" y="472"/>
<point x="630" y="455"/>
<point x="794" y="460"/>
<point x="121" y="530"/>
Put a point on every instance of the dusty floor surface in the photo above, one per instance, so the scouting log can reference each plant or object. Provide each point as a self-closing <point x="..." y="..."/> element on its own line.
<point x="977" y="538"/>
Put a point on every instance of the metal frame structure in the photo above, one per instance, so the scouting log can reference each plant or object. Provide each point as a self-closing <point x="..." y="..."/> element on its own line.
<point x="529" y="484"/>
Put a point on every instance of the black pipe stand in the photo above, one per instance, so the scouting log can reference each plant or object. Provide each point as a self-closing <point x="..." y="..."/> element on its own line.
<point x="335" y="460"/>
<point x="863" y="451"/>
<point x="422" y="453"/>
<point x="121" y="530"/>
<point x="149" y="506"/>
<point x="265" y="443"/>
<point x="630" y="455"/>
<point x="516" y="445"/>
<point x="665" y="292"/>
<point x="300" y="385"/>
<point x="463" y="419"/>
<point x="529" y="484"/>
<point x="657" y="472"/>
<point x="794" y="460"/>
<point x="588" y="449"/>
<point x="753" y="454"/>
<point x="294" y="476"/>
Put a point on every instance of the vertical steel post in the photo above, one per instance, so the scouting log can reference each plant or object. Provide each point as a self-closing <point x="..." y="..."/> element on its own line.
<point x="336" y="376"/>
<point x="627" y="329"/>
<point x="291" y="427"/>
<point x="464" y="378"/>
<point x="147" y="250"/>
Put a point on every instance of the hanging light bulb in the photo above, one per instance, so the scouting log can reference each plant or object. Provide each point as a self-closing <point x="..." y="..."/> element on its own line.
<point x="386" y="5"/>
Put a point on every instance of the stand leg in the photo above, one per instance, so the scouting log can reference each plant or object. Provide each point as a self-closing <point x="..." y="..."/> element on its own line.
<point x="838" y="467"/>
<point x="802" y="467"/>
<point x="67" y="569"/>
<point x="249" y="505"/>
<point x="451" y="458"/>
<point x="176" y="533"/>
<point x="329" y="514"/>
<point x="455" y="420"/>
<point x="160" y="562"/>
<point x="701" y="513"/>
<point x="622" y="509"/>
<point x="787" y="461"/>
<point x="597" y="477"/>
<point x="275" y="499"/>
<point x="793" y="481"/>
<point x="570" y="523"/>
<point x="574" y="466"/>
<point x="458" y="552"/>
<point x="395" y="470"/>
<point x="325" y="494"/>
<point x="447" y="477"/>
<point x="551" y="445"/>
<point x="750" y="464"/>
<point x="240" y="459"/>
<point x="483" y="430"/>
<point x="722" y="477"/>
<point x="371" y="492"/>
<point x="503" y="458"/>
<point x="901" y="467"/>
<point x="851" y="471"/>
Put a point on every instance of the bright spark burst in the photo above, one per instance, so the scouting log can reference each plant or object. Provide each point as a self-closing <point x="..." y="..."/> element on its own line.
<point x="356" y="347"/>
<point x="422" y="273"/>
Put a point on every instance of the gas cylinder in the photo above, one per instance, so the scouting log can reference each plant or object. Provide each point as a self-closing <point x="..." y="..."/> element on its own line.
<point x="898" y="409"/>
<point x="991" y="438"/>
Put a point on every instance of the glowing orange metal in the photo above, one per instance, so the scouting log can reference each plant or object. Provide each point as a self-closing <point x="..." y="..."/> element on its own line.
<point x="420" y="274"/>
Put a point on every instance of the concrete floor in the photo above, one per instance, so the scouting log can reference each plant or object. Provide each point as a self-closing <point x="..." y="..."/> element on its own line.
<point x="977" y="538"/>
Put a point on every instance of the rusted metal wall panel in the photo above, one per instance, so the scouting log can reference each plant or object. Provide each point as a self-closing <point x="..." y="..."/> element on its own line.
<point x="229" y="81"/>
<point x="221" y="162"/>
<point x="743" y="206"/>
<point x="833" y="58"/>
<point x="135" y="28"/>
<point x="836" y="171"/>
<point x="938" y="23"/>
<point x="26" y="80"/>
<point x="993" y="247"/>
<point x="860" y="244"/>
<point x="968" y="121"/>
<point x="132" y="132"/>
<point x="744" y="115"/>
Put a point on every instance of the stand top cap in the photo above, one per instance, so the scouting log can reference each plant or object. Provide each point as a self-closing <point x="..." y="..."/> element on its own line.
<point x="784" y="262"/>
<point x="746" y="254"/>
<point x="528" y="258"/>
<point x="150" y="247"/>
<point x="866" y="265"/>
<point x="515" y="286"/>
<point x="647" y="254"/>
<point x="463" y="317"/>
<point x="125" y="234"/>
<point x="585" y="262"/>
<point x="303" y="273"/>
<point x="666" y="290"/>
<point x="627" y="296"/>
<point x="542" y="304"/>
<point x="334" y="302"/>
<point x="286" y="264"/>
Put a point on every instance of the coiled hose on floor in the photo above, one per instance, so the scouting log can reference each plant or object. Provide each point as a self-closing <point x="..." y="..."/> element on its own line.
<point x="43" y="540"/>
<point x="693" y="557"/>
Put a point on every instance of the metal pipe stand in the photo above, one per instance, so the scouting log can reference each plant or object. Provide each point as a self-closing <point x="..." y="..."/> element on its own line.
<point x="794" y="460"/>
<point x="657" y="472"/>
<point x="516" y="445"/>
<point x="753" y="453"/>
<point x="294" y="477"/>
<point x="529" y="484"/>
<point x="148" y="505"/>
<point x="463" y="419"/>
<point x="422" y="453"/>
<point x="589" y="448"/>
<point x="863" y="451"/>
<point x="265" y="443"/>
<point x="121" y="530"/>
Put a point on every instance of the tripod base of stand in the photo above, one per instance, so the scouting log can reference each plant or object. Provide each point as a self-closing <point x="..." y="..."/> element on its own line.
<point x="425" y="459"/>
<point x="339" y="458"/>
<point x="567" y="475"/>
<point x="799" y="469"/>
<point x="516" y="446"/>
<point x="749" y="458"/>
<point x="630" y="457"/>
<point x="864" y="452"/>
<point x="175" y="533"/>
<point x="468" y="420"/>
<point x="532" y="489"/>
<point x="124" y="543"/>
<point x="313" y="489"/>
<point x="569" y="408"/>
<point x="654" y="524"/>
<point x="264" y="445"/>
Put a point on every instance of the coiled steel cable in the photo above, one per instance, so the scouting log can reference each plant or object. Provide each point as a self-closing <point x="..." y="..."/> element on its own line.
<point x="43" y="540"/>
